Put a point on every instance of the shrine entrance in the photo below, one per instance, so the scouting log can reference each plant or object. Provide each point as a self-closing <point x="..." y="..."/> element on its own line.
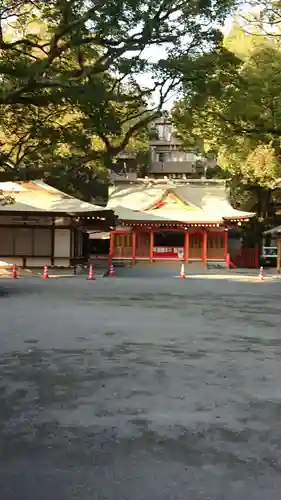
<point x="169" y="239"/>
<point x="168" y="245"/>
<point x="195" y="244"/>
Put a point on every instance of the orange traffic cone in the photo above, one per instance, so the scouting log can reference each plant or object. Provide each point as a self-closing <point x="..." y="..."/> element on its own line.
<point x="14" y="272"/>
<point x="91" y="275"/>
<point x="45" y="273"/>
<point x="111" y="271"/>
<point x="261" y="275"/>
<point x="182" y="273"/>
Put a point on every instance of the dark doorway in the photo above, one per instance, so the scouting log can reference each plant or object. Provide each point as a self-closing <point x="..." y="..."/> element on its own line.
<point x="169" y="239"/>
<point x="98" y="247"/>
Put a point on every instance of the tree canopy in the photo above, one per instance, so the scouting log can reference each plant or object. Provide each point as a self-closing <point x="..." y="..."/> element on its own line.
<point x="238" y="120"/>
<point x="71" y="73"/>
<point x="59" y="45"/>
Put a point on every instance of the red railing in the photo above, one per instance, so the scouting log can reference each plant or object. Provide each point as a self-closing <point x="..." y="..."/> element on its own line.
<point x="245" y="257"/>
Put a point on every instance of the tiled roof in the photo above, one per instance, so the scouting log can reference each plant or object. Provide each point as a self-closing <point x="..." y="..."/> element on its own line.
<point x="273" y="231"/>
<point x="19" y="207"/>
<point x="126" y="214"/>
<point x="39" y="196"/>
<point x="200" y="201"/>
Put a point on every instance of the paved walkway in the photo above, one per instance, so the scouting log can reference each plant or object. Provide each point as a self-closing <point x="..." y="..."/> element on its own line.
<point x="140" y="388"/>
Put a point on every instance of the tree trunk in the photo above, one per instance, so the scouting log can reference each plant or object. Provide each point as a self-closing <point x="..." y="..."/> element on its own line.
<point x="263" y="201"/>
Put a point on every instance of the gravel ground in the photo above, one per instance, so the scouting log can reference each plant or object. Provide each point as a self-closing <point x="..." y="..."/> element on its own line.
<point x="140" y="388"/>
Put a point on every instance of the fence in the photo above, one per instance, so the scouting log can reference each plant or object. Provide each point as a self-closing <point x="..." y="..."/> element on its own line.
<point x="245" y="257"/>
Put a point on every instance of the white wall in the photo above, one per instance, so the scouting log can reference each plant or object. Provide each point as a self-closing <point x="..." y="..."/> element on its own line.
<point x="172" y="167"/>
<point x="12" y="260"/>
<point x="38" y="262"/>
<point x="42" y="242"/>
<point x="61" y="262"/>
<point x="25" y="241"/>
<point x="6" y="241"/>
<point x="35" y="244"/>
<point x="62" y="243"/>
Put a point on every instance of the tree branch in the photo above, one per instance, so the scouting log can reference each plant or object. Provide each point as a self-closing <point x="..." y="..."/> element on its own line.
<point x="151" y="115"/>
<point x="242" y="130"/>
<point x="149" y="34"/>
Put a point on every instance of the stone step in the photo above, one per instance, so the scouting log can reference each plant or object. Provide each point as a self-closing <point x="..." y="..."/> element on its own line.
<point x="166" y="264"/>
<point x="175" y="264"/>
<point x="216" y="264"/>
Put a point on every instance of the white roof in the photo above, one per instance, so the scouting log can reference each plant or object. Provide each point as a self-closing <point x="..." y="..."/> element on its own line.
<point x="274" y="231"/>
<point x="196" y="201"/>
<point x="11" y="186"/>
<point x="41" y="196"/>
<point x="98" y="235"/>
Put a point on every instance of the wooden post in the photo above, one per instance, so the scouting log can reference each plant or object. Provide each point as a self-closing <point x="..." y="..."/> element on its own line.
<point x="151" y="244"/>
<point x="75" y="244"/>
<point x="225" y="243"/>
<point x="205" y="246"/>
<point x="279" y="254"/>
<point x="53" y="228"/>
<point x="186" y="246"/>
<point x="257" y="256"/>
<point x="134" y="246"/>
<point x="111" y="248"/>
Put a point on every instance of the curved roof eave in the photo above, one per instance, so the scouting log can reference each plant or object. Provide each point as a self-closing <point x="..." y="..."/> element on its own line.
<point x="242" y="216"/>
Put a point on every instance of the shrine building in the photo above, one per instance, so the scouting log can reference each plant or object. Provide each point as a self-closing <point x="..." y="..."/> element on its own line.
<point x="168" y="219"/>
<point x="44" y="226"/>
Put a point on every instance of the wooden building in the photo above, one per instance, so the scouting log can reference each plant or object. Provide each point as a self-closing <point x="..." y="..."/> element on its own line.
<point x="275" y="248"/>
<point x="172" y="220"/>
<point x="44" y="226"/>
<point x="167" y="154"/>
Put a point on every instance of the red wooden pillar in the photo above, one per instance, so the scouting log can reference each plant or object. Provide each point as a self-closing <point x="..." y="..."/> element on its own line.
<point x="225" y="243"/>
<point x="205" y="246"/>
<point x="111" y="248"/>
<point x="151" y="244"/>
<point x="186" y="246"/>
<point x="134" y="246"/>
